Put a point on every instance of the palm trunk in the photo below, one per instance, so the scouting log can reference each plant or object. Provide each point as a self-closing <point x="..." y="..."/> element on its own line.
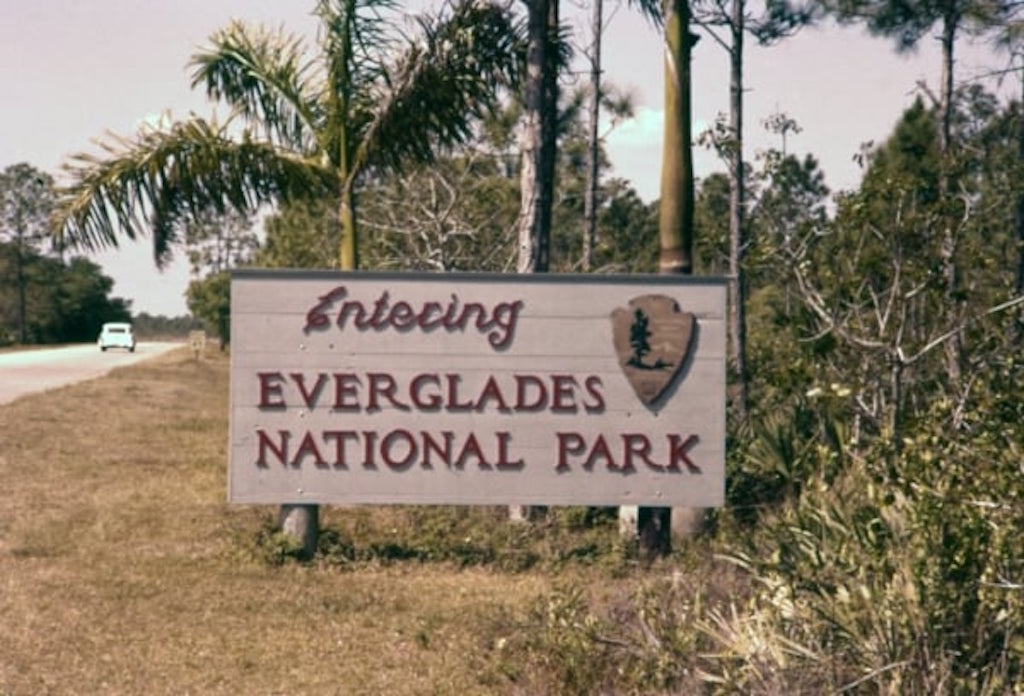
<point x="737" y="245"/>
<point x="590" y="196"/>
<point x="349" y="253"/>
<point x="301" y="522"/>
<point x="675" y="225"/>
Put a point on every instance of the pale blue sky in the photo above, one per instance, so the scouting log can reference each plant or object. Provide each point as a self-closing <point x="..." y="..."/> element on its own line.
<point x="74" y="69"/>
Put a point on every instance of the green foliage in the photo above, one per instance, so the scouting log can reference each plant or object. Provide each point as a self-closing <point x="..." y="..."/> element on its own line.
<point x="300" y="235"/>
<point x="26" y="201"/>
<point x="898" y="572"/>
<point x="65" y="302"/>
<point x="580" y="642"/>
<point x="627" y="232"/>
<point x="218" y="243"/>
<point x="711" y="225"/>
<point x="460" y="536"/>
<point x="908" y="22"/>
<point x="209" y="299"/>
<point x="149" y="326"/>
<point x="871" y="499"/>
<point x="274" y="547"/>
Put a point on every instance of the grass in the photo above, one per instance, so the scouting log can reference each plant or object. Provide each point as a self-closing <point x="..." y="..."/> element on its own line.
<point x="124" y="570"/>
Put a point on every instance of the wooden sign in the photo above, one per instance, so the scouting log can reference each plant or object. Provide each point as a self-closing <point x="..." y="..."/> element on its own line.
<point x="197" y="342"/>
<point x="477" y="389"/>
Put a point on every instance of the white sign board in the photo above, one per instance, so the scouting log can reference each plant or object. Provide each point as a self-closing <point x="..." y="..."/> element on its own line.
<point x="477" y="389"/>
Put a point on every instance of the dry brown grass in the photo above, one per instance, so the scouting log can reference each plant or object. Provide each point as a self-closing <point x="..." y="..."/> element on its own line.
<point x="123" y="569"/>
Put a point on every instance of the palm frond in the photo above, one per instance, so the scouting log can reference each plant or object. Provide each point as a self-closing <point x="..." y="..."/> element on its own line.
<point x="652" y="10"/>
<point x="167" y="176"/>
<point x="445" y="81"/>
<point x="262" y="76"/>
<point x="356" y="37"/>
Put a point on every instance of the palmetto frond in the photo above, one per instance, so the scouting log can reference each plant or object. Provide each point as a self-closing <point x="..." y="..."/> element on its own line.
<point x="262" y="76"/>
<point x="443" y="83"/>
<point x="165" y="175"/>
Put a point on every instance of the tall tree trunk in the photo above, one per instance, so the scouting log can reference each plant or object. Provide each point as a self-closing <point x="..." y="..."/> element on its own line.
<point x="536" y="186"/>
<point x="737" y="242"/>
<point x="19" y="263"/>
<point x="954" y="346"/>
<point x="590" y="196"/>
<point x="1019" y="217"/>
<point x="539" y="148"/>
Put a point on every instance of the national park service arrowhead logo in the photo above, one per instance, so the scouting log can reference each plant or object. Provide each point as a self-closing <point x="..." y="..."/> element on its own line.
<point x="652" y="338"/>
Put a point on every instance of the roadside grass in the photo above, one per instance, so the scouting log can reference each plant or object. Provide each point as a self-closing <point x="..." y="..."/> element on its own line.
<point x="124" y="570"/>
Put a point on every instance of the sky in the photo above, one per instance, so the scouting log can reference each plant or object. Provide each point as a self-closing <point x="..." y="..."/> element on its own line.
<point x="74" y="70"/>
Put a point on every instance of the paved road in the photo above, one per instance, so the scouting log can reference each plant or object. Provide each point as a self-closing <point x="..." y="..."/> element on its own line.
<point x="31" y="371"/>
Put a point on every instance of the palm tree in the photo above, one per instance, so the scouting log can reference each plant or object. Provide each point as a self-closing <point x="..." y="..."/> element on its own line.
<point x="299" y="129"/>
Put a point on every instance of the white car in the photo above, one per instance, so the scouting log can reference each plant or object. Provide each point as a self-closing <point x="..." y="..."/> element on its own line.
<point x="117" y="335"/>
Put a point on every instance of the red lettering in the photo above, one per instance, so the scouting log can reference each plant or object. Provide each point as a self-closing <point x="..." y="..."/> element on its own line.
<point x="498" y="322"/>
<point x="310" y="397"/>
<point x="470" y="308"/>
<point x="315" y="317"/>
<point x="424" y="321"/>
<point x="346" y="391"/>
<point x="562" y="393"/>
<point x="593" y="386"/>
<point x="369" y="440"/>
<point x="678" y="449"/>
<point x="503" y="463"/>
<point x="382" y="384"/>
<point x="471" y="448"/>
<point x="402" y="317"/>
<point x="308" y="446"/>
<point x="432" y="402"/>
<point x="568" y="443"/>
<point x="523" y="402"/>
<point x="505" y="316"/>
<point x="265" y="443"/>
<point x="600" y="451"/>
<point x="269" y="390"/>
<point x="448" y="320"/>
<point x="432" y="446"/>
<point x="379" y="308"/>
<point x="386" y="450"/>
<point x="636" y="444"/>
<point x="339" y="437"/>
<point x="453" y="394"/>
<point x="491" y="392"/>
<point x="352" y="307"/>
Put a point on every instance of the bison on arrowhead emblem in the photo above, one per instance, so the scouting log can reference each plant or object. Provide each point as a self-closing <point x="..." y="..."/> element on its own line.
<point x="652" y="338"/>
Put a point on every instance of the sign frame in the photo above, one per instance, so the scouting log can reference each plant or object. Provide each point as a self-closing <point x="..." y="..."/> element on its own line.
<point x="352" y="387"/>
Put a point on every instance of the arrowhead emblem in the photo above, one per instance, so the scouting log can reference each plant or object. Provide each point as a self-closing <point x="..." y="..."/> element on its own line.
<point x="652" y="338"/>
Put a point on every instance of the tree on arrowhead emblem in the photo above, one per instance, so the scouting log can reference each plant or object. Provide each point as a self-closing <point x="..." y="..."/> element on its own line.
<point x="653" y="338"/>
